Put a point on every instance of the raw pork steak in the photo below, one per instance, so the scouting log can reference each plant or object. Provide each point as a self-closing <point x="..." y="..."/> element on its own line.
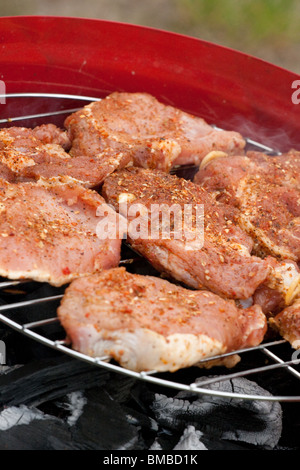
<point x="147" y="323"/>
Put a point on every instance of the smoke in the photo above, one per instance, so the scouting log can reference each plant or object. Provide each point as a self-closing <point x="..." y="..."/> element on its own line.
<point x="262" y="137"/>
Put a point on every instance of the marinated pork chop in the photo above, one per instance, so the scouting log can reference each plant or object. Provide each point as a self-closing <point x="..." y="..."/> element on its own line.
<point x="139" y="129"/>
<point x="29" y="154"/>
<point x="227" y="174"/>
<point x="51" y="134"/>
<point x="86" y="170"/>
<point x="280" y="289"/>
<point x="48" y="232"/>
<point x="272" y="217"/>
<point x="283" y="169"/>
<point x="266" y="191"/>
<point x="220" y="261"/>
<point x="21" y="147"/>
<point x="287" y="323"/>
<point x="147" y="323"/>
<point x="6" y="173"/>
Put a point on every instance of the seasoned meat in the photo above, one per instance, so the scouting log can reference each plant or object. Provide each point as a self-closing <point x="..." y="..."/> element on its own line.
<point x="48" y="232"/>
<point x="6" y="173"/>
<point x="145" y="132"/>
<point x="224" y="173"/>
<point x="29" y="154"/>
<point x="280" y="169"/>
<point x="21" y="147"/>
<point x="220" y="260"/>
<point x="280" y="289"/>
<point x="272" y="217"/>
<point x="51" y="134"/>
<point x="86" y="170"/>
<point x="148" y="323"/>
<point x="266" y="191"/>
<point x="287" y="323"/>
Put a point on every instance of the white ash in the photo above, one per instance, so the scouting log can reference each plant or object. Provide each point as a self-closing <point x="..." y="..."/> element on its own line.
<point x="190" y="440"/>
<point x="155" y="445"/>
<point x="17" y="415"/>
<point x="75" y="404"/>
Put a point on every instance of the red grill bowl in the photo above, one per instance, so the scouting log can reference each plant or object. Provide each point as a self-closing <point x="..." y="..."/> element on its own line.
<point x="94" y="57"/>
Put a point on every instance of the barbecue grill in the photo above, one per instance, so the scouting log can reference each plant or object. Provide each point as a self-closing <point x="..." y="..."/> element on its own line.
<point x="53" y="66"/>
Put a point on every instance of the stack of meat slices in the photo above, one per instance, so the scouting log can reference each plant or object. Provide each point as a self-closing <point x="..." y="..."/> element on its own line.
<point x="265" y="189"/>
<point x="265" y="192"/>
<point x="57" y="214"/>
<point x="53" y="228"/>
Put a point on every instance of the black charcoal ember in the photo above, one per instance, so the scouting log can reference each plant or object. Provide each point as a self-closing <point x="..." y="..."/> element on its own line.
<point x="120" y="387"/>
<point x="21" y="350"/>
<point x="43" y="380"/>
<point x="90" y="420"/>
<point x="38" y="435"/>
<point x="128" y="391"/>
<point x="254" y="422"/>
<point x="145" y="422"/>
<point x="27" y="428"/>
<point x="291" y="426"/>
<point x="104" y="425"/>
<point x="72" y="404"/>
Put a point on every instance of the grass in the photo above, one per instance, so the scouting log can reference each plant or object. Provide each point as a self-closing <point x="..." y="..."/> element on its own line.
<point x="246" y="21"/>
<point x="268" y="29"/>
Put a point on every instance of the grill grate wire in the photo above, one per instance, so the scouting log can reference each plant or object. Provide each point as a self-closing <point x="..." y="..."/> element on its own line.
<point x="28" y="329"/>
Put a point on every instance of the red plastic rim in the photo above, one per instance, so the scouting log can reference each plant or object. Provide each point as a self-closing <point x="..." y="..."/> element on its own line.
<point x="95" y="57"/>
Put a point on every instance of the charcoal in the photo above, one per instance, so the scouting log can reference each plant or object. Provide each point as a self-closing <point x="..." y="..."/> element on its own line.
<point x="253" y="422"/>
<point x="47" y="379"/>
<point x="103" y="425"/>
<point x="93" y="421"/>
<point x="48" y="434"/>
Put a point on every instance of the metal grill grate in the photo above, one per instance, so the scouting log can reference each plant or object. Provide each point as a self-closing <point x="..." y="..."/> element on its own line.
<point x="278" y="352"/>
